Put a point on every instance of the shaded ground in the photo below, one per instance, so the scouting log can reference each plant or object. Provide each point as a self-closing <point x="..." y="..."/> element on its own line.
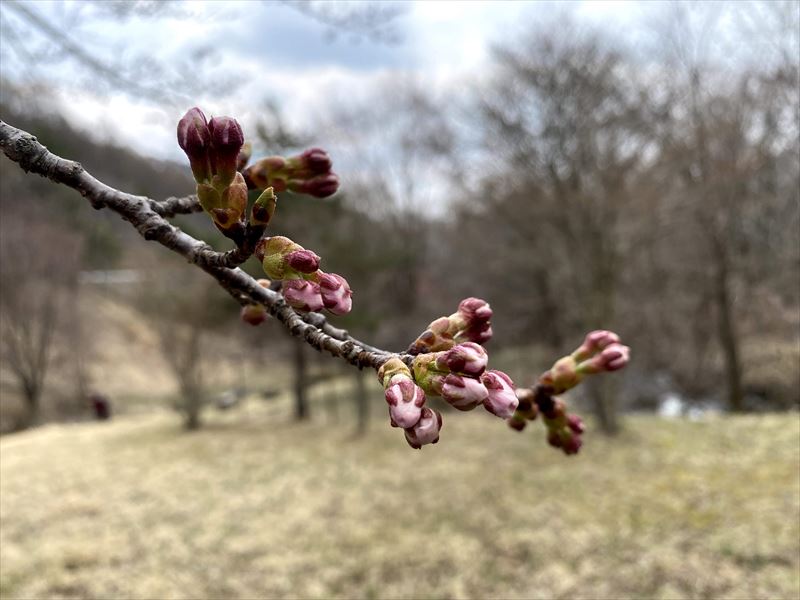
<point x="247" y="509"/>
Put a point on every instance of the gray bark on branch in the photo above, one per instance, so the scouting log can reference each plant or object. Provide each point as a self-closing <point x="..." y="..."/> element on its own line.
<point x="149" y="218"/>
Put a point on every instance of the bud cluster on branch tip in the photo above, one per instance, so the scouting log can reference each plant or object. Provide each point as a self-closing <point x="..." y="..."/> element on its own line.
<point x="305" y="286"/>
<point x="213" y="148"/>
<point x="406" y="402"/>
<point x="459" y="376"/>
<point x="307" y="173"/>
<point x="471" y="322"/>
<point x="255" y="314"/>
<point x="563" y="429"/>
<point x="600" y="352"/>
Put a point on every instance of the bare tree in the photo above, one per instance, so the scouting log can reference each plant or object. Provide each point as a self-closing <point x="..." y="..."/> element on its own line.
<point x="38" y="278"/>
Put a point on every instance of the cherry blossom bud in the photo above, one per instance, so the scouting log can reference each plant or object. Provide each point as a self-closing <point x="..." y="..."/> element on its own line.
<point x="194" y="138"/>
<point x="302" y="261"/>
<point x="226" y="142"/>
<point x="234" y="201"/>
<point x="594" y="342"/>
<point x="391" y="368"/>
<point x="319" y="186"/>
<point x="502" y="400"/>
<point x="463" y="393"/>
<point x="254" y="314"/>
<point x="273" y="253"/>
<point x="517" y="422"/>
<point x="314" y="161"/>
<point x="336" y="293"/>
<point x="435" y="338"/>
<point x="473" y="317"/>
<point x="467" y="358"/>
<point x="244" y="156"/>
<point x="563" y="430"/>
<point x="405" y="400"/>
<point x="263" y="208"/>
<point x="266" y="172"/>
<point x="564" y="375"/>
<point x="475" y="310"/>
<point x="426" y="430"/>
<point x="480" y="334"/>
<point x="527" y="408"/>
<point x="575" y="423"/>
<point x="427" y="376"/>
<point x="611" y="358"/>
<point x="302" y="295"/>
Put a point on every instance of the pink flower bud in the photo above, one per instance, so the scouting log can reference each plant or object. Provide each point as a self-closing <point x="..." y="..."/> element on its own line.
<point x="575" y="423"/>
<point x="475" y="310"/>
<point x="302" y="295"/>
<point x="194" y="138"/>
<point x="572" y="444"/>
<point x="226" y="142"/>
<point x="480" y="333"/>
<point x="253" y="314"/>
<point x="593" y="343"/>
<point x="405" y="400"/>
<point x="316" y="161"/>
<point x="468" y="358"/>
<point x="336" y="293"/>
<point x="502" y="400"/>
<point x="319" y="186"/>
<point x="426" y="430"/>
<point x="463" y="393"/>
<point x="303" y="261"/>
<point x="611" y="358"/>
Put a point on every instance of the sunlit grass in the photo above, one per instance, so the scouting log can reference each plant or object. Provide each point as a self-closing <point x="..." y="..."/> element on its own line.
<point x="253" y="508"/>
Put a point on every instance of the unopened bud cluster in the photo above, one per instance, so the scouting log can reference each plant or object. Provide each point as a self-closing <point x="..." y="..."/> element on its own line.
<point x="406" y="402"/>
<point x="307" y="173"/>
<point x="305" y="286"/>
<point x="600" y="352"/>
<point x="471" y="322"/>
<point x="460" y="377"/>
<point x="213" y="149"/>
<point x="217" y="153"/>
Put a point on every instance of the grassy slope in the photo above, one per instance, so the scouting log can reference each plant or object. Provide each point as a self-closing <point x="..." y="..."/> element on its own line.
<point x="137" y="509"/>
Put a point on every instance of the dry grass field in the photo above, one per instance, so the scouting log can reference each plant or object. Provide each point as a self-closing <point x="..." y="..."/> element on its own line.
<point x="252" y="508"/>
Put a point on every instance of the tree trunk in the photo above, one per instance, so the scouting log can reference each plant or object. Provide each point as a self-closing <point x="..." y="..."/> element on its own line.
<point x="300" y="381"/>
<point x="32" y="394"/>
<point x="192" y="405"/>
<point x="604" y="404"/>
<point x="728" y="339"/>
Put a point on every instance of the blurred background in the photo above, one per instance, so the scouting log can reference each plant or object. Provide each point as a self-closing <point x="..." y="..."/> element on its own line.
<point x="580" y="165"/>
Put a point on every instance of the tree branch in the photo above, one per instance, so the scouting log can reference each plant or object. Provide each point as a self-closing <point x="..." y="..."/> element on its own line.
<point x="148" y="217"/>
<point x="176" y="206"/>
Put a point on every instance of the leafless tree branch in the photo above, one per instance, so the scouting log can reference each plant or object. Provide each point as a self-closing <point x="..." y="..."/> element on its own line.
<point x="148" y="217"/>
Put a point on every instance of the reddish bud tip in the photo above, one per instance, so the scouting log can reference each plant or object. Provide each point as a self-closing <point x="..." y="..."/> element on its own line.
<point x="253" y="314"/>
<point x="320" y="186"/>
<point x="303" y="261"/>
<point x="316" y="161"/>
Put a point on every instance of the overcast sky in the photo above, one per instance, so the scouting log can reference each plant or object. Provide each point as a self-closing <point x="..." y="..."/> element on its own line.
<point x="285" y="55"/>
